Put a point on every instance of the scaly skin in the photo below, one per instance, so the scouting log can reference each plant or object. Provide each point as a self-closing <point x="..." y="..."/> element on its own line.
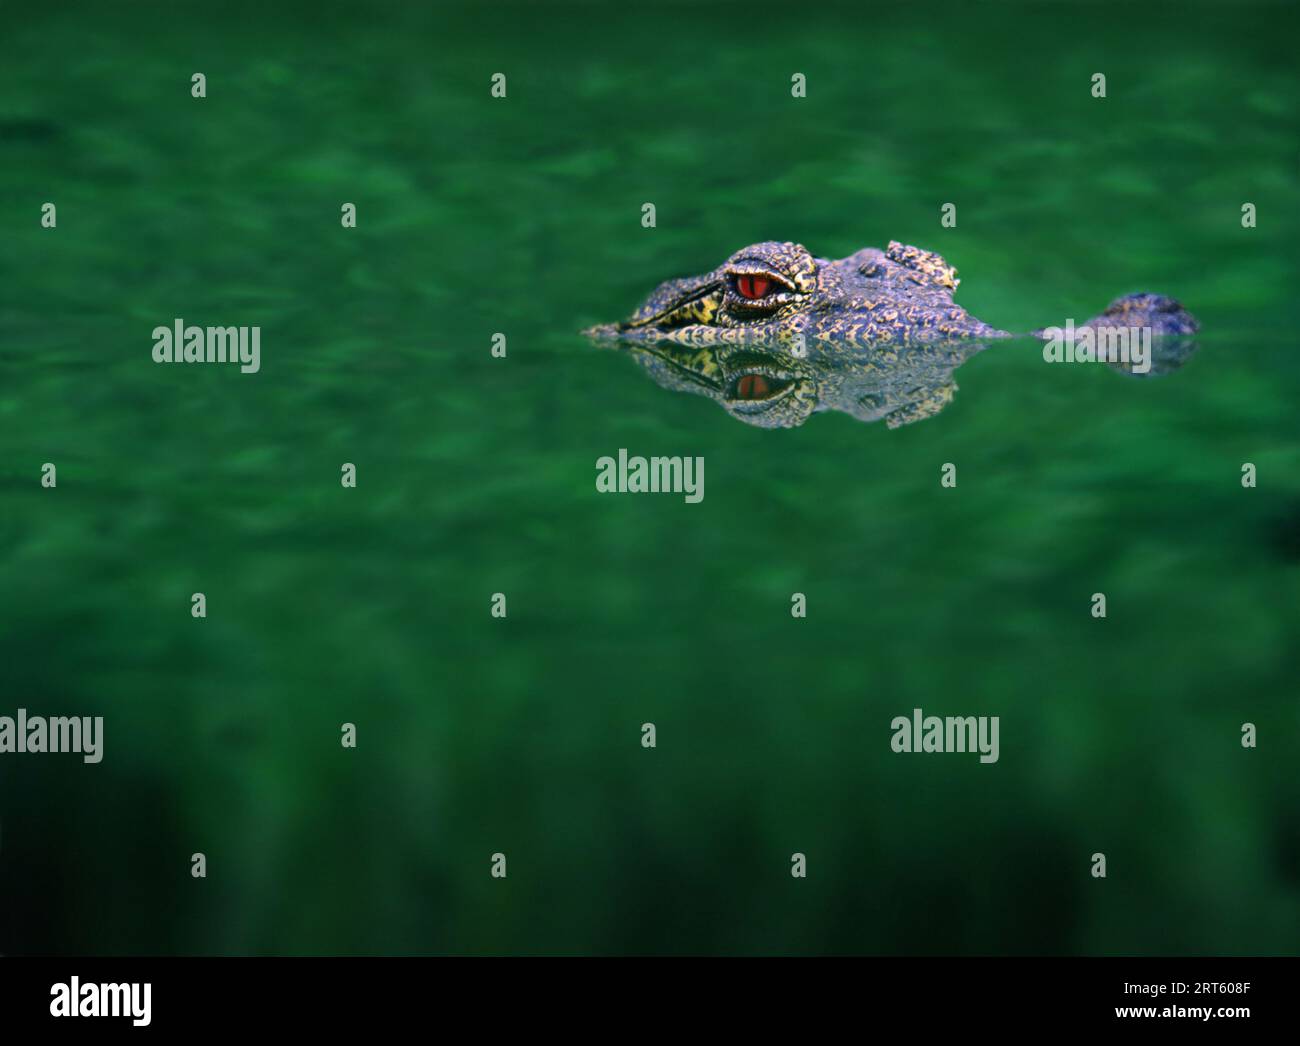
<point x="775" y="334"/>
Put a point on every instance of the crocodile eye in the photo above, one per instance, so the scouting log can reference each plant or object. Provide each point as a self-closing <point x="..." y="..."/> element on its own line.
<point x="753" y="387"/>
<point x="753" y="286"/>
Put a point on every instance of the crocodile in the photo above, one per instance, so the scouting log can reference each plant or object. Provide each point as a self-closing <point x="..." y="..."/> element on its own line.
<point x="775" y="334"/>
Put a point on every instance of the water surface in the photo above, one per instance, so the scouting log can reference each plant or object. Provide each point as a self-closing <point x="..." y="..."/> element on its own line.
<point x="475" y="476"/>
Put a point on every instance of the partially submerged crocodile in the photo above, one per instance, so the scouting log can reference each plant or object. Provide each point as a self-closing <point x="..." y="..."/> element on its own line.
<point x="775" y="334"/>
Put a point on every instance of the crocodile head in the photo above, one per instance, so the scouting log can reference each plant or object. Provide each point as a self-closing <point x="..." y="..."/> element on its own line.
<point x="774" y="334"/>
<point x="778" y="293"/>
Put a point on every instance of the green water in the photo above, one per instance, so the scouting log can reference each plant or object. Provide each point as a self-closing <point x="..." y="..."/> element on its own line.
<point x="522" y="215"/>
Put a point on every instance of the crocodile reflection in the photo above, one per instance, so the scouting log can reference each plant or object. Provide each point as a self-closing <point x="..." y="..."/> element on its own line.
<point x="772" y="386"/>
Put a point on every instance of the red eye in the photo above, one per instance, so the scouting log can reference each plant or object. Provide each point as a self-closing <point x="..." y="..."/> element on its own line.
<point x="753" y="286"/>
<point x="753" y="387"/>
